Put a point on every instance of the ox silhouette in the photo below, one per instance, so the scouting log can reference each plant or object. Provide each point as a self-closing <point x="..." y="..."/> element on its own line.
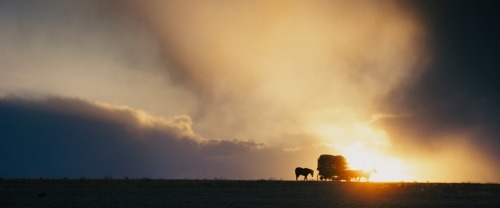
<point x="357" y="175"/>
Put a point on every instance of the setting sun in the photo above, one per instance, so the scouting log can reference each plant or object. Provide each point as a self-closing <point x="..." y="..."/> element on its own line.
<point x="388" y="169"/>
<point x="365" y="148"/>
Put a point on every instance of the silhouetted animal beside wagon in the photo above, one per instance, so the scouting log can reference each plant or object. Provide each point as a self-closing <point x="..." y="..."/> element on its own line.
<point x="303" y="172"/>
<point x="357" y="175"/>
<point x="336" y="168"/>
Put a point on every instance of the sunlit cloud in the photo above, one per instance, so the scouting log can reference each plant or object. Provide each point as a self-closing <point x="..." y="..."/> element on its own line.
<point x="283" y="79"/>
<point x="290" y="74"/>
<point x="285" y="63"/>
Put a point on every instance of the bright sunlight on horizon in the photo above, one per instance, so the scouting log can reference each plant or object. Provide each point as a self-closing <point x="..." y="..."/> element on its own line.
<point x="366" y="148"/>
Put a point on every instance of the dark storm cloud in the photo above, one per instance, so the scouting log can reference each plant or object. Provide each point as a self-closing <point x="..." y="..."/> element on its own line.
<point x="460" y="89"/>
<point x="458" y="92"/>
<point x="60" y="137"/>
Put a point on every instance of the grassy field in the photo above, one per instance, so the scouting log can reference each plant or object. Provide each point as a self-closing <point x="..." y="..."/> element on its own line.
<point x="229" y="193"/>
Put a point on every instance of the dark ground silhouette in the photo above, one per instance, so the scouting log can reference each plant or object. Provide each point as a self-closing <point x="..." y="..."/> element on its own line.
<point x="228" y="193"/>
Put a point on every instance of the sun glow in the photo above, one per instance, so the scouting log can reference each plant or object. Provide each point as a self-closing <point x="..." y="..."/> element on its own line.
<point x="386" y="168"/>
<point x="366" y="148"/>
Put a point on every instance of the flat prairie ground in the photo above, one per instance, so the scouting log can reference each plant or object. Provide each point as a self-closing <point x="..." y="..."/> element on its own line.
<point x="241" y="193"/>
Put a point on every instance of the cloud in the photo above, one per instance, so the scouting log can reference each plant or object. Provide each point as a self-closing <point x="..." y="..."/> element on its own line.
<point x="283" y="65"/>
<point x="67" y="137"/>
<point x="63" y="137"/>
<point x="84" y="49"/>
<point x="244" y="69"/>
<point x="251" y="80"/>
<point x="280" y="73"/>
<point x="444" y="152"/>
<point x="453" y="103"/>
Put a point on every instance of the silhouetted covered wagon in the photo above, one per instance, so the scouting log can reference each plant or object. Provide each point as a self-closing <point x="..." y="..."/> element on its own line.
<point x="333" y="167"/>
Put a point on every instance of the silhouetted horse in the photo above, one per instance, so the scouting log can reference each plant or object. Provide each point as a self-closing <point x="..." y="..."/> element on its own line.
<point x="303" y="172"/>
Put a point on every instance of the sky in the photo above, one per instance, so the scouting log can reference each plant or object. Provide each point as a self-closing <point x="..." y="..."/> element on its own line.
<point x="249" y="89"/>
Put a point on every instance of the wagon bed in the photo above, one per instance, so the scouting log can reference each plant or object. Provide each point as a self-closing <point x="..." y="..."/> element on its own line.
<point x="332" y="167"/>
